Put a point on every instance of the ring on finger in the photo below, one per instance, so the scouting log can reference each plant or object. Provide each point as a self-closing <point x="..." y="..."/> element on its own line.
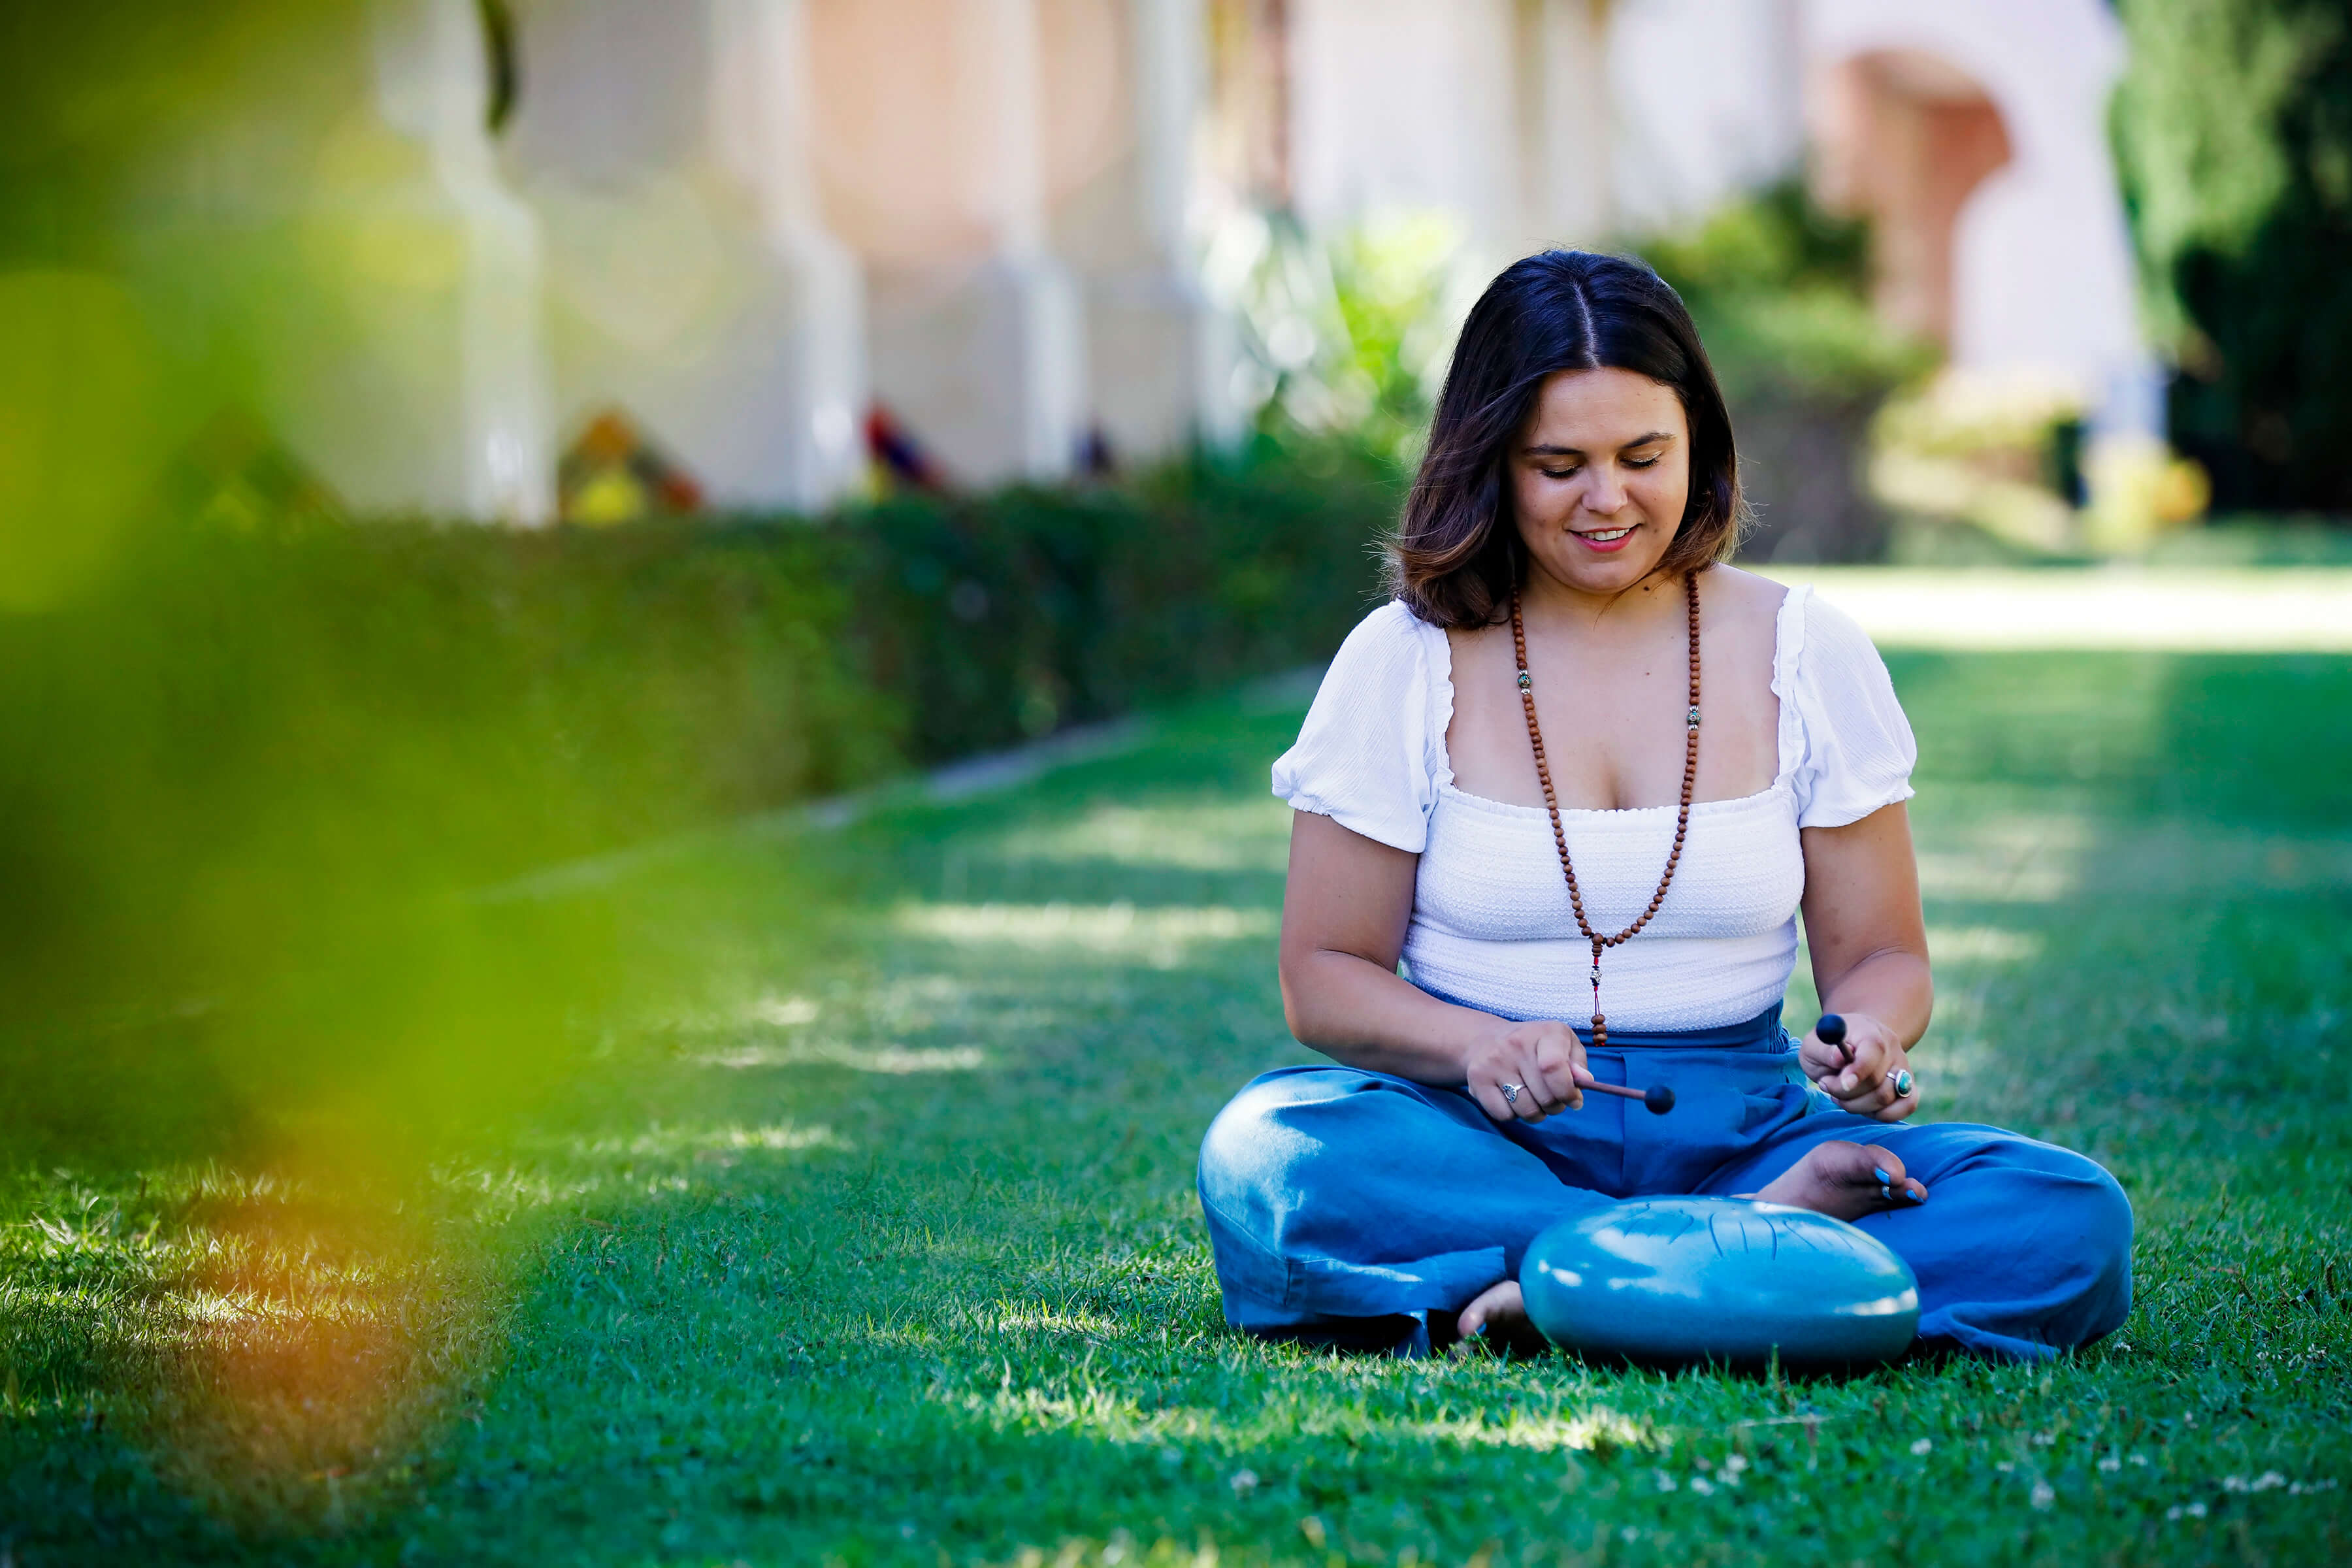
<point x="1510" y="1093"/>
<point x="1902" y="1083"/>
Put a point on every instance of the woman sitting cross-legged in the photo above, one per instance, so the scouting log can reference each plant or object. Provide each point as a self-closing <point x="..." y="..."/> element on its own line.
<point x="1581" y="778"/>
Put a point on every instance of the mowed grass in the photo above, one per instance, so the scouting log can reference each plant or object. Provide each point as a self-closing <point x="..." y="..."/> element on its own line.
<point x="884" y="1247"/>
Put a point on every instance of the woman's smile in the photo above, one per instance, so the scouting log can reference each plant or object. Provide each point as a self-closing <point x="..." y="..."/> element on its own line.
<point x="1605" y="540"/>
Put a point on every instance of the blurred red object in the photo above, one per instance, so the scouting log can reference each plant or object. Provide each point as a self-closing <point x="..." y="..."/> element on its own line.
<point x="898" y="454"/>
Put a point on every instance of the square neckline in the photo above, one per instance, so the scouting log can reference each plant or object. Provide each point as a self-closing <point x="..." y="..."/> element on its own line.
<point x="1788" y="643"/>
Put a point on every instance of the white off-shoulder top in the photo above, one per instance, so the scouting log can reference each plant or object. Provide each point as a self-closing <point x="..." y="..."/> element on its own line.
<point x="1491" y="922"/>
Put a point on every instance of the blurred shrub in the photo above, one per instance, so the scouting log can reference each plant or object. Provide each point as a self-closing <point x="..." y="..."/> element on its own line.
<point x="992" y="618"/>
<point x="2234" y="137"/>
<point x="252" y="787"/>
<point x="1972" y="453"/>
<point x="1779" y="290"/>
<point x="1346" y="335"/>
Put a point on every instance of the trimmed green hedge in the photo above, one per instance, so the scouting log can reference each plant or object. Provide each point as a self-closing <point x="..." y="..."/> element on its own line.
<point x="996" y="618"/>
<point x="262" y="779"/>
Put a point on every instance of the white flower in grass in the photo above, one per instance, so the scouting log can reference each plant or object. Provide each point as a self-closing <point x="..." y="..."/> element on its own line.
<point x="1667" y="1483"/>
<point x="2111" y="1464"/>
<point x="2189" y="1510"/>
<point x="1924" y="1447"/>
<point x="2044" y="1494"/>
<point x="1243" y="1482"/>
<point x="1702" y="1486"/>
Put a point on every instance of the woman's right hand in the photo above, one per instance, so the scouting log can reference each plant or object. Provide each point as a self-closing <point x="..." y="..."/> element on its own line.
<point x="1545" y="1060"/>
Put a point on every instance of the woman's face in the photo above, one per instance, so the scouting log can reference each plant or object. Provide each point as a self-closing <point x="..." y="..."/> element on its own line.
<point x="1599" y="477"/>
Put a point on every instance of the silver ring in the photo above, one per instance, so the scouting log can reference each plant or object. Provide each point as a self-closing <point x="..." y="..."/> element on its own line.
<point x="1510" y="1092"/>
<point x="1902" y="1081"/>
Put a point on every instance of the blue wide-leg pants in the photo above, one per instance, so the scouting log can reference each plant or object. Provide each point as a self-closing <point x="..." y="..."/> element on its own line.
<point x="1350" y="1207"/>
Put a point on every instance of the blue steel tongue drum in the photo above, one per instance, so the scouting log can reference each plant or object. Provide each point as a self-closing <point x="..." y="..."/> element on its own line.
<point x="1676" y="1281"/>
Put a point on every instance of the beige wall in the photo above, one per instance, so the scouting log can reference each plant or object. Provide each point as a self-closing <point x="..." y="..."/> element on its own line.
<point x="336" y="243"/>
<point x="689" y="283"/>
<point x="1014" y="175"/>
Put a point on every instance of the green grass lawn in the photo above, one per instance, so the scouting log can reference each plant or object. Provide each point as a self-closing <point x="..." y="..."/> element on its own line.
<point x="881" y="1245"/>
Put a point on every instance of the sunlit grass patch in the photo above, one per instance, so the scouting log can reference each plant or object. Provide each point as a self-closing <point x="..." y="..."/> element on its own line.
<point x="2012" y="859"/>
<point x="1216" y="834"/>
<point x="261" y="1338"/>
<point x="1982" y="944"/>
<point x="895" y="1061"/>
<point x="1163" y="937"/>
<point x="660" y="1142"/>
<point x="2177" y="609"/>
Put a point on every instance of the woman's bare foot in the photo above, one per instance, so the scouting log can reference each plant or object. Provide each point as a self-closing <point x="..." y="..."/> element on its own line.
<point x="1500" y="1314"/>
<point x="1845" y="1181"/>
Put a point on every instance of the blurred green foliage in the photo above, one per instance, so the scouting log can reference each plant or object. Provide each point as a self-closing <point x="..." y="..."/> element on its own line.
<point x="254" y="786"/>
<point x="1780" y="290"/>
<point x="1349" y="333"/>
<point x="2233" y="137"/>
<point x="89" y="93"/>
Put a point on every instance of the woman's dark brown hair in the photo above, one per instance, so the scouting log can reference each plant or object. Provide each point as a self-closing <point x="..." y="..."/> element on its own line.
<point x="1456" y="557"/>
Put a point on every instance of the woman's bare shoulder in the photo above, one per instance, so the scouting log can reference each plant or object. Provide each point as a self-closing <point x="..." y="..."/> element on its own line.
<point x="1743" y="596"/>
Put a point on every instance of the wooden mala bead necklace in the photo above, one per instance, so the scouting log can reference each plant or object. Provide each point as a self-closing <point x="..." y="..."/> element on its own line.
<point x="1551" y="801"/>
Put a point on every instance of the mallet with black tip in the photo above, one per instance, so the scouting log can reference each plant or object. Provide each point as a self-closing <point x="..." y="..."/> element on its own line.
<point x="1830" y="1031"/>
<point x="1657" y="1098"/>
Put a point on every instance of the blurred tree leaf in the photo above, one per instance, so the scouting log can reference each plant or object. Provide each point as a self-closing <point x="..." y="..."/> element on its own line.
<point x="2233" y="139"/>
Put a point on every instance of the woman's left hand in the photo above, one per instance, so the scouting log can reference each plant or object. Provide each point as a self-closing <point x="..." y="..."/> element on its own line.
<point x="1863" y="1075"/>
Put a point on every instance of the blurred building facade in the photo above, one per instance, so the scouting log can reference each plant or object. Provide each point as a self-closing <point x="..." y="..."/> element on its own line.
<point x="1972" y="131"/>
<point x="744" y="225"/>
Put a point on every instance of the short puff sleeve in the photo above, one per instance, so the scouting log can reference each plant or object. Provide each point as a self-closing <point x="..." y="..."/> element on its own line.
<point x="1857" y="750"/>
<point x="1370" y="755"/>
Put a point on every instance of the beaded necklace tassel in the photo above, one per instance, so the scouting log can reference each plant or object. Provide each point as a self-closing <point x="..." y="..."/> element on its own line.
<point x="1551" y="802"/>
